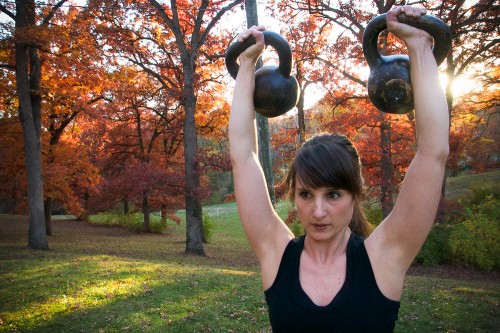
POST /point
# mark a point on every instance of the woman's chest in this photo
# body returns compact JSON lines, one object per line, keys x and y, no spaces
{"x":321,"y":283}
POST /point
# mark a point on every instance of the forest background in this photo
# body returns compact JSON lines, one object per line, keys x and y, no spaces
{"x":124,"y":104}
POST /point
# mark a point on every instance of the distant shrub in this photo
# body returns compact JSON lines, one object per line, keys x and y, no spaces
{"x":482,"y":192}
{"x":293,"y":222}
{"x":435,"y":250}
{"x":475,"y":242}
{"x":208,"y":227}
{"x":132,"y":221}
{"x":157,"y":225}
{"x":489,"y":205}
{"x":297,"y":229}
{"x":471,"y":233}
{"x":106,"y":219}
{"x":216,"y":198}
{"x":452,"y":209}
{"x":292,"y":217}
{"x":374,"y":215}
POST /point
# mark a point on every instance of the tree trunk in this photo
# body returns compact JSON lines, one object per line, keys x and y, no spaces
{"x":145,"y":210}
{"x":126,"y":208}
{"x":301,"y":130}
{"x":30,"y":120}
{"x":47,"y":207}
{"x":85,"y":214}
{"x":386,"y":167}
{"x":47,"y":203}
{"x":262,"y":122}
{"x":203,"y":235}
{"x":265,"y":154}
{"x":386,"y":186}
{"x":163,"y":212}
{"x":194,"y":224}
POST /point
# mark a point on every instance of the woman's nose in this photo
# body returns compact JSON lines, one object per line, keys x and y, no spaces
{"x":319,"y":209}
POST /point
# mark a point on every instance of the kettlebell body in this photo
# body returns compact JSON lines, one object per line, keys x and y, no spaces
{"x":389,"y":83}
{"x":276,"y":91}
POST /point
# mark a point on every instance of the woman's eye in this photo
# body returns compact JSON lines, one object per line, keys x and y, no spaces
{"x":304,"y":194}
{"x":333,"y":195}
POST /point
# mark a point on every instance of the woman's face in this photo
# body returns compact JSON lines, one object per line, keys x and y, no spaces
{"x":323,"y":211}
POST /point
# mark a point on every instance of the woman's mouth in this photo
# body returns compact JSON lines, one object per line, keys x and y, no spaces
{"x":319,"y":226}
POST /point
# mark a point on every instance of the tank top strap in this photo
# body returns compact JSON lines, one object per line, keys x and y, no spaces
{"x":359,"y":266}
{"x":290,"y":262}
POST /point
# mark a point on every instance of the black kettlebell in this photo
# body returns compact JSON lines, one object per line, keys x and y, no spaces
{"x":389,"y":84}
{"x":276,"y":91}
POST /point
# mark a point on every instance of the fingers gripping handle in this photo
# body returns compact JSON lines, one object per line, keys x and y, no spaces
{"x":270,"y":38}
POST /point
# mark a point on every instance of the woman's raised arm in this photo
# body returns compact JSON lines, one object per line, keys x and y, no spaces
{"x":266,"y":232}
{"x":396,"y":242}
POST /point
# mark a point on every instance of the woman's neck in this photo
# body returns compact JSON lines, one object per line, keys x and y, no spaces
{"x":327,"y":251}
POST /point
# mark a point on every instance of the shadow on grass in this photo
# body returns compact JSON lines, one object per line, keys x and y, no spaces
{"x":110,"y":295}
{"x":96,"y":278}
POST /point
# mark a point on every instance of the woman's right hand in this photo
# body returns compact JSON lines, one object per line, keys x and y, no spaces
{"x":252,"y":54}
{"x":406,"y":32}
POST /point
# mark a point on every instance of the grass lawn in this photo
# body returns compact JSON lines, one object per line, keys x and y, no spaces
{"x":102,"y":279}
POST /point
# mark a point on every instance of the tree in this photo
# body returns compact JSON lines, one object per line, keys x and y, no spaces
{"x":28,"y":75}
{"x":475,"y":30}
{"x":191,"y":27}
{"x":308,"y":37}
{"x":185,"y":41}
{"x":284,"y":146}
{"x":475,"y":40}
{"x":64,"y":91}
{"x":140,"y":163}
{"x":68,"y":174}
{"x":343,"y":59}
{"x":12,"y":171}
{"x":72,"y":83}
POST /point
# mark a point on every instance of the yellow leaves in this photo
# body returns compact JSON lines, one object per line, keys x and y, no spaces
{"x":157,"y":32}
{"x":212,"y":113}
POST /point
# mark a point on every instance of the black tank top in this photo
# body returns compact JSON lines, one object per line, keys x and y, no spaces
{"x":359,"y":306}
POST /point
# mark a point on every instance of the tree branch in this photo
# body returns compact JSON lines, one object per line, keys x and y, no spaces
{"x":52,"y":12}
{"x":475,"y":54}
{"x":7,"y":12}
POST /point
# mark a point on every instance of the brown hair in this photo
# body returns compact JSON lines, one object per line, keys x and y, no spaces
{"x":331,"y":160}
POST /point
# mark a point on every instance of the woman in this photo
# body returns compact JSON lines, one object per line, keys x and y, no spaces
{"x":333,"y":279}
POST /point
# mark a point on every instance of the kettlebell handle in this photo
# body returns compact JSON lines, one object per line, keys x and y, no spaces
{"x":270,"y":38}
{"x":431,"y":24}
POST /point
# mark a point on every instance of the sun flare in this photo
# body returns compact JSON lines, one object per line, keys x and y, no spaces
{"x":461,"y":85}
